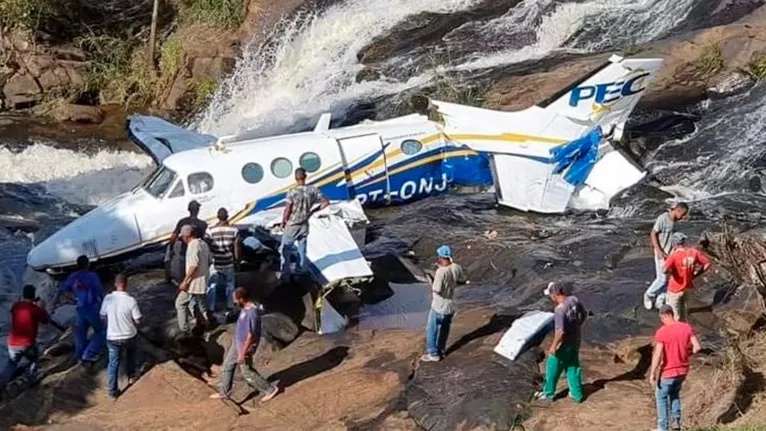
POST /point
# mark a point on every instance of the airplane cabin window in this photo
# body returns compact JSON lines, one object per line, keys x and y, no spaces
{"x":199,"y":183}
{"x":178,"y":190}
{"x":281,"y":167}
{"x":159,"y":182}
{"x":411,"y":147}
{"x":252,"y":173}
{"x":310,"y":162}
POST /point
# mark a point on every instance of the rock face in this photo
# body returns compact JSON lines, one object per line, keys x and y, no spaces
{"x":473,"y":387}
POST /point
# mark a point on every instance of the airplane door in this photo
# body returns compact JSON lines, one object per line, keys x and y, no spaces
{"x":366,"y":167}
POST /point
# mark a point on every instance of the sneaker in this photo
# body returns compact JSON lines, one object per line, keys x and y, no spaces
{"x":540,"y":396}
{"x":217,"y":396}
{"x":269,"y":395}
{"x":648,"y":302}
{"x":113,"y":397}
{"x":430,"y":358}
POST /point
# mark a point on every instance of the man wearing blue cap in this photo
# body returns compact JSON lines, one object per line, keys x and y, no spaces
{"x":448,"y":275}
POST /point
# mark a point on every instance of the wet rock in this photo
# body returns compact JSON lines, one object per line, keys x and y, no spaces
{"x":473,"y":387}
{"x":177,"y":92}
{"x":211,"y":67}
{"x":730,"y":83}
{"x":367,"y":74}
{"x":77,"y":113}
{"x":21,"y":90}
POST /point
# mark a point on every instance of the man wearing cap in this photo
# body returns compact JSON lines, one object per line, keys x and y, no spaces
{"x":26,"y":316}
{"x":301,"y":201}
{"x":682,"y":266}
{"x":448,"y":275}
{"x":674,"y":343}
{"x":176,"y":252}
{"x":192,"y":291}
{"x":224,"y":244}
{"x":660,"y":239}
{"x":564,"y":352}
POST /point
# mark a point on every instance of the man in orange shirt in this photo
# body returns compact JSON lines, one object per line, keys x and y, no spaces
{"x":682,"y":266}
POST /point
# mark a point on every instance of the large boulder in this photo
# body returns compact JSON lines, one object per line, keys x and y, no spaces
{"x":729,"y":83}
{"x":21,"y":90}
{"x":77,"y":113}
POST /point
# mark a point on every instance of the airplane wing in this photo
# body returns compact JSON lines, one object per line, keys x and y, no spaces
{"x":160,"y":139}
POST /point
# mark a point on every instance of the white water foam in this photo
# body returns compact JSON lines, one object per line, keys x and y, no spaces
{"x":74,"y":176}
{"x":312,"y":64}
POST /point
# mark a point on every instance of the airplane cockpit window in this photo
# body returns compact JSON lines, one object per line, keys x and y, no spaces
{"x":252,"y":173}
{"x":310,"y":162}
{"x":159,"y":182}
{"x":178,"y":190}
{"x":411,"y":147}
{"x":199,"y":183}
{"x":281,"y":167}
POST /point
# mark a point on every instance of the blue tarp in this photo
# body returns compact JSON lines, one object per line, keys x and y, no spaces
{"x":577,"y":157}
{"x":160,"y":138}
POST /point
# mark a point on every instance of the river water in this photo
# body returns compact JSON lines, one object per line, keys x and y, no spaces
{"x":309,"y":65}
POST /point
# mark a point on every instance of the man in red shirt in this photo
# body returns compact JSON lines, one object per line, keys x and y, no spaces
{"x":682,"y":266}
{"x":674,"y":343}
{"x":26,"y":315}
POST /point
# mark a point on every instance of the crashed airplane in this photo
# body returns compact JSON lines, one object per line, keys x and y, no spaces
{"x":546,"y":158}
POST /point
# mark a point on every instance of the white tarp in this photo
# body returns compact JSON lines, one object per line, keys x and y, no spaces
{"x":523,"y":329}
{"x":407,"y":309}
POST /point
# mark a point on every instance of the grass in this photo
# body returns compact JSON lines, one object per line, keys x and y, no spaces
{"x":220,"y":13}
{"x":757,"y":65}
{"x":203,"y":90}
{"x":711,"y":60}
{"x":23,"y":14}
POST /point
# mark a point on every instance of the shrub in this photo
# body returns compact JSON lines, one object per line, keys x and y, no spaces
{"x":220,"y":13}
{"x":758,"y":65}
{"x":24,"y":14}
{"x":203,"y":89}
{"x":711,"y":60}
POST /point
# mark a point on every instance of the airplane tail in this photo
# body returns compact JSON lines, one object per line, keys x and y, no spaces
{"x":606,"y":96}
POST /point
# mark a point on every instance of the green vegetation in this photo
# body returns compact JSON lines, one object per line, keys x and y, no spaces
{"x":219,"y":13}
{"x":632,"y":50}
{"x":711,"y":60}
{"x":20,"y":13}
{"x":203,"y":89}
{"x":757,"y":65}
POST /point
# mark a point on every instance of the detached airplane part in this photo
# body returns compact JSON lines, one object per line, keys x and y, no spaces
{"x":546,"y":158}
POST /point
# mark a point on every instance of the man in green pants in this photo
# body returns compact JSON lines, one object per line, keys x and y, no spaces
{"x":564,"y":353}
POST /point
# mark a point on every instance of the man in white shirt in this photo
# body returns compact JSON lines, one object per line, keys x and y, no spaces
{"x":122,"y":315}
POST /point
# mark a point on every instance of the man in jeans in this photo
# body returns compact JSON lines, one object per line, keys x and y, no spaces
{"x":448,"y":275}
{"x":670,"y":365}
{"x":660,"y":239}
{"x":224,"y":244}
{"x":247,"y":336}
{"x":682,"y":266}
{"x":26,"y":316}
{"x":86,"y":287}
{"x":192,"y":291}
{"x":301,"y":201}
{"x":122,"y":317}
{"x":564,"y":352}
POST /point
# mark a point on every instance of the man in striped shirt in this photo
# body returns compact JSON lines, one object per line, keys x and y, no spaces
{"x":224,"y":245}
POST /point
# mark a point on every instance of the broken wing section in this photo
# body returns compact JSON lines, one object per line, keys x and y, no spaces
{"x":159,"y":138}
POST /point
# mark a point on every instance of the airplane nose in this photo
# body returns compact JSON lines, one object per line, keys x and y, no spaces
{"x":60,"y":249}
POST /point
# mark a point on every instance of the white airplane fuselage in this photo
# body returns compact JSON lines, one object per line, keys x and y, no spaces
{"x":377,"y":163}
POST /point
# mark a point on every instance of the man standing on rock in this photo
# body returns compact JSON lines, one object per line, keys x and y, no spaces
{"x":660,"y":239}
{"x":300,"y":201}
{"x":122,"y":317}
{"x":224,"y":241}
{"x":448,"y":275}
{"x":86,"y":287}
{"x":26,"y":316}
{"x":564,"y":352}
{"x":247,"y":336}
{"x":178,"y":251}
{"x":670,"y":365}
{"x":192,"y":291}
{"x":682,"y":266}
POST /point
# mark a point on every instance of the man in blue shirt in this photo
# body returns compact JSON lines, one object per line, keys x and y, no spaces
{"x":85,"y":287}
{"x":247,"y":336}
